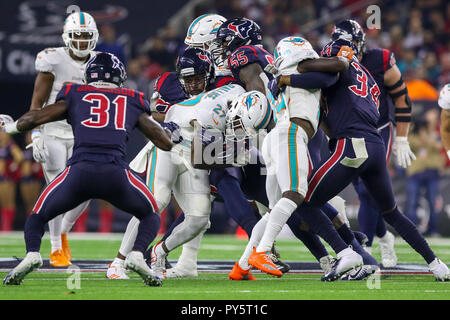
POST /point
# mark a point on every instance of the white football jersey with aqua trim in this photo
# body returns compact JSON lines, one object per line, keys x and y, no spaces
{"x":65,"y":69}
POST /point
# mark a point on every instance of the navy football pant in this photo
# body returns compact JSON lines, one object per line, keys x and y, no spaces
{"x":370,"y":221}
{"x":347,"y":163}
{"x":93,"y":180}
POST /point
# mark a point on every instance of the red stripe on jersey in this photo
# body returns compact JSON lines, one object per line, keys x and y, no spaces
{"x":254,"y":50}
{"x":68,"y":86}
{"x":138,"y":184}
{"x":55,"y":183}
{"x":385,"y":58}
{"x":224,"y":81}
{"x":323,"y":170}
{"x":161,"y":80}
{"x":141,"y":98}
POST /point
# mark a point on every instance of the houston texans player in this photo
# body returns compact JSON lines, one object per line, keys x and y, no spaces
{"x":239,"y":45}
{"x":358,"y":150}
{"x":395,"y":108}
{"x":102,"y":114}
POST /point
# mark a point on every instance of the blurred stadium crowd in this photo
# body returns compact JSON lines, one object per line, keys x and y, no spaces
{"x":417,"y":31}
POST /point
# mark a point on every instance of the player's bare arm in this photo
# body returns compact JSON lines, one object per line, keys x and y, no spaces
{"x":333,"y":65}
{"x":445,"y":128}
{"x":399,"y":94}
{"x":42,"y":88}
{"x":152,"y":130}
{"x":158,"y":116}
{"x":250,"y":76}
{"x":34,"y":118}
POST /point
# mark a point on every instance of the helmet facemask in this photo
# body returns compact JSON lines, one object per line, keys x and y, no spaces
{"x":193,"y":84}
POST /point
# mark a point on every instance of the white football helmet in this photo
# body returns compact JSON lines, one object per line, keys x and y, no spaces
{"x":249,"y":112}
{"x":74,"y":26}
{"x":203,"y":30}
{"x":444,"y":97}
{"x":292,"y":50}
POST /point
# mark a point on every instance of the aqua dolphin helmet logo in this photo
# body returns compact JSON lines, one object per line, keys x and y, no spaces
{"x":299,"y":41}
{"x":250,"y":100}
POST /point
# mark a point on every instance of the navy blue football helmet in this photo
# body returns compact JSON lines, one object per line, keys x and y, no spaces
{"x":232,"y":34}
{"x":350,"y":30}
{"x":195,"y":70}
{"x":332,"y":48}
{"x":107,"y":68}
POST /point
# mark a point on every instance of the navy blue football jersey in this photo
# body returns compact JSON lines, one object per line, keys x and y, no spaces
{"x":377,"y":62}
{"x":101,"y":119}
{"x":352,"y":102}
{"x":171,"y":92}
{"x":246,"y":55}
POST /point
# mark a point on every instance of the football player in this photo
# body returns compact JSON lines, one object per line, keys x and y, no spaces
{"x":53,"y":142}
{"x":395,"y":108}
{"x":102,"y":115}
{"x":358,"y":151}
{"x":444,"y":103}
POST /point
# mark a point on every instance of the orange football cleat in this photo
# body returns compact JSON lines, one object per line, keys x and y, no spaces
{"x":237,"y":273}
{"x":65,"y":246}
{"x":262,"y":261}
{"x":58,"y":259}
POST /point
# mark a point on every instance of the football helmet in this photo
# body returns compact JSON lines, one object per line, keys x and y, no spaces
{"x":350,"y":30}
{"x":292,"y":50}
{"x":233,"y":34}
{"x":195,"y":70}
{"x":105,"y":69}
{"x":80,"y":29}
{"x":249,"y":112}
{"x":202,"y":31}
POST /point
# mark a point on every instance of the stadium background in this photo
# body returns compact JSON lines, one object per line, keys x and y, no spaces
{"x":148,"y":35}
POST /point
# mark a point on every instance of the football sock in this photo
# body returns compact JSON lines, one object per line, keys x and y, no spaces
{"x":322,"y":226}
{"x":381,"y":227}
{"x":277,"y":219}
{"x":310,"y":240}
{"x":188,"y":256}
{"x":33,"y":232}
{"x":367,"y":219}
{"x":237,"y":205}
{"x":71,"y":217}
{"x":54,"y":227}
{"x":129,"y":236}
{"x":178,"y":220}
{"x":408,"y":231}
{"x":253,"y":241}
{"x":147,"y":231}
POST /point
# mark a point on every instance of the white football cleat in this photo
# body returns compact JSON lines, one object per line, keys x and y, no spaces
{"x":440,"y":270}
{"x":326,"y":263}
{"x":388,"y":257}
{"x":181,"y":272}
{"x":31,"y":262}
{"x":347,"y":260}
{"x":158,"y":262}
{"x":360,"y":273}
{"x":116,"y":270}
{"x":135,"y":262}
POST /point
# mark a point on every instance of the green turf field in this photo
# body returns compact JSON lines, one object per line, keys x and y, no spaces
{"x":216,"y":286}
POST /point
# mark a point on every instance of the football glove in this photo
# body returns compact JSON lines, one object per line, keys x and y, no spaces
{"x":5,"y":120}
{"x":174,"y":130}
{"x":40,"y":151}
{"x":273,"y":87}
{"x":402,"y":152}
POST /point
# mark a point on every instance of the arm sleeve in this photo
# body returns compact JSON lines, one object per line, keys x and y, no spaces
{"x":313,"y":80}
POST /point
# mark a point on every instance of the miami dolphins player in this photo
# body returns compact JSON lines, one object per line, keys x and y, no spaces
{"x":53,"y":142}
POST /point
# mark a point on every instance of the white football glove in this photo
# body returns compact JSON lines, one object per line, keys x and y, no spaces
{"x":403,"y":152}
{"x":7,"y":124}
{"x":40,"y":151}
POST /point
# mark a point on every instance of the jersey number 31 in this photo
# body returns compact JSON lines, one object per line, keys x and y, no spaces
{"x":100,"y":111}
